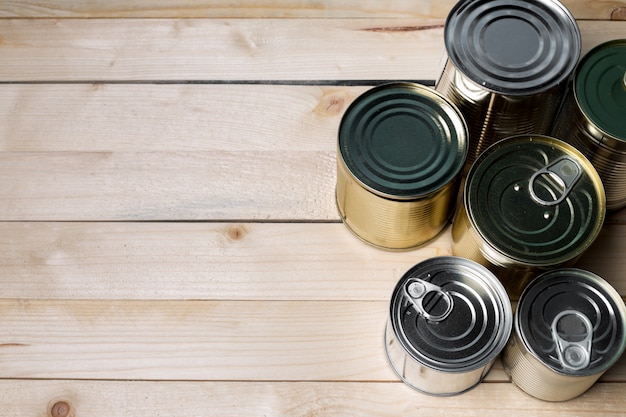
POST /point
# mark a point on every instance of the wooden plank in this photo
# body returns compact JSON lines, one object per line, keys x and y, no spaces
{"x":187,"y":118}
{"x":239,"y":49}
{"x":212,"y":261}
{"x":207,"y":49}
{"x":253,"y":399}
{"x":582,"y":9}
{"x":193,"y":340}
{"x":200,"y":340}
{"x":222,"y":261}
{"x":255,"y":185}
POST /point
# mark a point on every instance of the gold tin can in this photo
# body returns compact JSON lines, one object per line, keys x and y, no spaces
{"x":401,"y":148}
{"x":593,"y":116}
{"x":449,"y":319}
{"x":569,"y":328}
{"x":508,"y":62}
{"x":531,"y":203}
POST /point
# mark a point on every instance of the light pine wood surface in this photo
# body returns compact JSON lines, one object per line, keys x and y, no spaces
{"x":169,"y":240}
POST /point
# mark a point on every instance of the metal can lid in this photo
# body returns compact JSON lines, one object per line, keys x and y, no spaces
{"x":403,"y":140}
{"x":600,"y":87}
{"x":514,"y":47}
{"x":535,"y":200}
{"x":573,"y":321}
{"x":451,"y":314}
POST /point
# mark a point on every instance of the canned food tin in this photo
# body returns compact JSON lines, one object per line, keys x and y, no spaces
{"x":532,"y":203}
{"x":401,"y":148}
{"x":508,"y":65}
{"x":449,"y":320}
{"x":569,"y":328}
{"x":592,"y":117}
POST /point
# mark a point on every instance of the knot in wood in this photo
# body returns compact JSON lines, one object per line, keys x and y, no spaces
{"x":60,"y":409}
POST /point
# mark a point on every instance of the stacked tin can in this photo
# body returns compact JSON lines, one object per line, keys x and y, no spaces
{"x":531,"y":203}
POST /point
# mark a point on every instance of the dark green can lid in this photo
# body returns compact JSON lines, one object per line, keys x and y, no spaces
{"x":600,"y":87}
{"x":535,"y":200}
{"x":403,"y":140}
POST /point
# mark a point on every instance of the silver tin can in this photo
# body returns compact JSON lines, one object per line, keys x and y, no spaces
{"x":531,"y":203}
{"x":569,"y":328}
{"x":508,"y":65}
{"x":449,"y":320}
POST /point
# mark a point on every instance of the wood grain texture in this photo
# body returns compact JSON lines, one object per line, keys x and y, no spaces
{"x":233,"y":49}
{"x":206,"y":261}
{"x":582,"y":9}
{"x":208,"y":49}
{"x":320,"y":399}
{"x":174,"y":118}
{"x":201,"y":340}
{"x":222,"y":261}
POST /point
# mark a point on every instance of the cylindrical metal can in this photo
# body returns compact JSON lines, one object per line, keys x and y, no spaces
{"x":569,"y":328}
{"x":532,"y":203}
{"x":508,"y":65}
{"x":593,"y":117}
{"x":401,"y":149}
{"x":449,"y":320}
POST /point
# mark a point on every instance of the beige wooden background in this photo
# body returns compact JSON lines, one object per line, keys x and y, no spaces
{"x":169,"y":242}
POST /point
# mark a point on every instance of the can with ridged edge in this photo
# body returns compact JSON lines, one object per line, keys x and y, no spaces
{"x":401,"y":148}
{"x":449,"y":319}
{"x":508,"y":65}
{"x":531,"y":203}
{"x":593,"y":117}
{"x":569,"y":328}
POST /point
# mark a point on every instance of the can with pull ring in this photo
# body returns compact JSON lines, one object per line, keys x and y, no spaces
{"x":569,"y":328}
{"x":449,"y":319}
{"x":531,"y":203}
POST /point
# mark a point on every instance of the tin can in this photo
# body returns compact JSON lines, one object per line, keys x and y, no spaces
{"x":508,"y":62}
{"x":532,"y":203}
{"x":449,"y":320}
{"x":592,"y":117}
{"x":569,"y":328}
{"x":401,"y":149}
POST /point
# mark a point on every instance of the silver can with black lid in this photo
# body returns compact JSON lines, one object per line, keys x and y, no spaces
{"x":569,"y":328}
{"x":449,"y":320}
{"x":507,"y":67}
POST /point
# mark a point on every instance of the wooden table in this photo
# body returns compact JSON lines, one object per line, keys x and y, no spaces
{"x":169,"y":241}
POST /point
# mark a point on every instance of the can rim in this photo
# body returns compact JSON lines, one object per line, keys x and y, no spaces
{"x":452,"y":111}
{"x":524,"y":138}
{"x":611,"y":293}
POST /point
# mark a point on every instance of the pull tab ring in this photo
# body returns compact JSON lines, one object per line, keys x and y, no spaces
{"x":573,"y":355}
{"x":565,"y":171}
{"x":416,"y":290}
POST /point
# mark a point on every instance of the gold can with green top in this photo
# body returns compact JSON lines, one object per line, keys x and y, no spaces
{"x":401,"y":148}
{"x":532,"y":203}
{"x":593,"y":117}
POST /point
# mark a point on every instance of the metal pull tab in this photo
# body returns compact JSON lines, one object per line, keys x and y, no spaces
{"x":565,"y":171}
{"x":572,"y":332}
{"x":416,"y":291}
